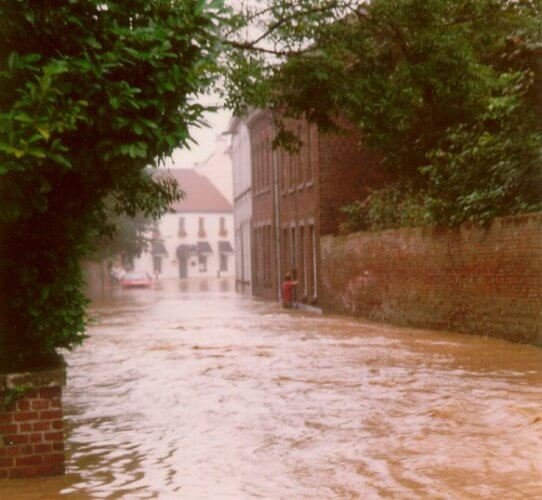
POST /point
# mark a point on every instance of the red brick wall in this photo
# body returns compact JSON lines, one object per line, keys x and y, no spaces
{"x":32,"y":435}
{"x":347,"y":173}
{"x":478,"y":280}
{"x":261,"y":135}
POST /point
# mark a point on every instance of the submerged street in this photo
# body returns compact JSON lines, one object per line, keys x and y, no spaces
{"x":196,"y":392}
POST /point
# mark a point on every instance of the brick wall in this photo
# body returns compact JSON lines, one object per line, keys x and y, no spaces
{"x":471,"y":279}
{"x":31,"y":433}
{"x":347,"y":171}
{"x":264,"y":282}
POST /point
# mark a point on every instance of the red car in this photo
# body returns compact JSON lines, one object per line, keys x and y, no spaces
{"x":136,"y":280}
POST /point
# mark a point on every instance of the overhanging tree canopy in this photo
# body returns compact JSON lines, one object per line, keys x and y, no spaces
{"x":442,"y":89}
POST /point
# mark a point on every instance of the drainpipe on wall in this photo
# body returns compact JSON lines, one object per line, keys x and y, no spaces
{"x":276,"y":199}
{"x":296,"y":215}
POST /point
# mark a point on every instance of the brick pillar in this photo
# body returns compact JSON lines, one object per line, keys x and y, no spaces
{"x":31,"y":425}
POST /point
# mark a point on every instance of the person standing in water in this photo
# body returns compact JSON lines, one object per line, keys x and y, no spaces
{"x":288,"y":286}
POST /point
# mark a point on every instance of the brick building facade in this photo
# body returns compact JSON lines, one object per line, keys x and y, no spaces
{"x":264,"y":248}
{"x":297,"y":197}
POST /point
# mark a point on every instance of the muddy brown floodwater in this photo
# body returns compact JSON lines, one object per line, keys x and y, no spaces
{"x":201,"y":393}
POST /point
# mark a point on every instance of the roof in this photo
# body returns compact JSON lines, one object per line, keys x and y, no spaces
{"x":200,"y":193}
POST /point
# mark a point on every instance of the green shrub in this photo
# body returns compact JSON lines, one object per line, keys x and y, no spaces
{"x":92,"y":92}
{"x":391,"y":207}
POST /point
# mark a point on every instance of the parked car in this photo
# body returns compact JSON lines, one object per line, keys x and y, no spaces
{"x":136,"y":280}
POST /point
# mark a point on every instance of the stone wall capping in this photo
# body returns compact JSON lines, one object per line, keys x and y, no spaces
{"x":34,"y":379}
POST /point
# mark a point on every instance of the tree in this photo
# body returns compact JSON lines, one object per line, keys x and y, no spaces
{"x":127,"y":238}
{"x":441,"y":89}
{"x":92,"y":92}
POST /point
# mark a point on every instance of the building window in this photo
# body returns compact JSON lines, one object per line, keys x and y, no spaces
{"x":266,"y":164}
{"x":269,"y":151}
{"x":201,"y":228}
{"x":289,"y":170}
{"x":285,"y":248}
{"x":259,"y":163}
{"x":257,"y":155}
{"x":269,"y":250}
{"x":222,"y":231}
{"x":182,"y":230}
{"x":303,"y":262}
{"x":299,"y":158}
{"x":265,"y":256}
{"x":282,"y":162}
{"x":202,"y":261}
{"x":255,"y":256}
{"x":255,"y":175}
{"x":259,"y":257}
{"x":314,"y":263}
{"x":223,"y":262}
{"x":308,"y":149}
{"x":293,"y":249}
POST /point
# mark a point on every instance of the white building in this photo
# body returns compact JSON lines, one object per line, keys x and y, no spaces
{"x":196,"y":240}
{"x":242,"y":203}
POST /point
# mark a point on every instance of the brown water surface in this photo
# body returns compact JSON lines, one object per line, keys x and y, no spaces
{"x":187,"y":392}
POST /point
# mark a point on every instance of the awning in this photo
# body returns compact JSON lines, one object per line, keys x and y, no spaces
{"x":185,"y":250}
{"x":158,"y":248}
{"x":203,"y":247}
{"x":225,"y":247}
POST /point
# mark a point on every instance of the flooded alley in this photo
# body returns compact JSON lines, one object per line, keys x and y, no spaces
{"x":196,"y":392}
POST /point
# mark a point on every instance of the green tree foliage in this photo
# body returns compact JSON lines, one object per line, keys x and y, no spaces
{"x":92,"y":92}
{"x":442,"y":89}
{"x":127,"y":238}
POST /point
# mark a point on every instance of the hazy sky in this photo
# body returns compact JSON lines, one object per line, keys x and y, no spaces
{"x":218,"y":122}
{"x":205,"y":137}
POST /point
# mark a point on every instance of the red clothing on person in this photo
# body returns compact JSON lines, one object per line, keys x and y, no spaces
{"x":288,"y":291}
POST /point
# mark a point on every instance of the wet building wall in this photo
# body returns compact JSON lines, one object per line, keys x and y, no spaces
{"x":263,"y":241}
{"x":471,"y":279}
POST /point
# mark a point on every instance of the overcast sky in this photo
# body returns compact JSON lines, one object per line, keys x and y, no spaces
{"x":218,"y":122}
{"x":183,"y":158}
